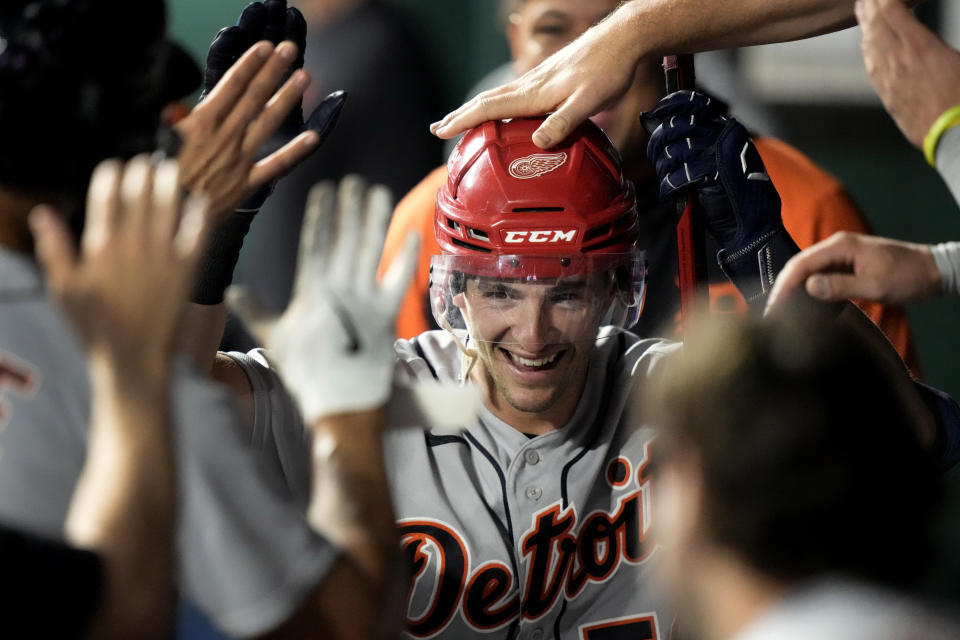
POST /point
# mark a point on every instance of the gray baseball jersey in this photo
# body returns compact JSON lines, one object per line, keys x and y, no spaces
{"x":247,"y":557}
{"x":507,"y":535}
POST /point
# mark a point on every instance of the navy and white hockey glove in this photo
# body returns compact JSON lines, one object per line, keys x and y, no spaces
{"x":693,"y":146}
{"x":270,"y":20}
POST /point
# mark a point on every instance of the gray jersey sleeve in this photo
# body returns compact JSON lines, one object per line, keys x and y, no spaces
{"x":248,"y":556}
{"x":947,"y":257}
{"x":948,"y":160}
{"x":278,"y":430}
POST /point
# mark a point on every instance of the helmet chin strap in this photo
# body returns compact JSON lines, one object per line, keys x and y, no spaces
{"x":470,"y":355}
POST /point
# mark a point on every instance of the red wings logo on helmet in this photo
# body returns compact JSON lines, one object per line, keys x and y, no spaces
{"x":536,"y":164}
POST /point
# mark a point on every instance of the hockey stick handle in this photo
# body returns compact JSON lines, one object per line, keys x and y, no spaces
{"x":691,"y":258}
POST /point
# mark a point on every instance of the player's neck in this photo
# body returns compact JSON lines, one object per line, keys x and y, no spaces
{"x":729,"y":595}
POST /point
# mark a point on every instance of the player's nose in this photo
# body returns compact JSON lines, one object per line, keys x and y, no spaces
{"x":532,"y":327}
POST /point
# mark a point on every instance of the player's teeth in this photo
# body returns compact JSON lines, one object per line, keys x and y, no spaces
{"x":527,"y":362}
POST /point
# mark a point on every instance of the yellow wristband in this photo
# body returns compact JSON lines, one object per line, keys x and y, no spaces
{"x":947,"y":119}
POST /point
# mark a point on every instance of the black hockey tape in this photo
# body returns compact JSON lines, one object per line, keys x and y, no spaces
{"x":215,"y":271}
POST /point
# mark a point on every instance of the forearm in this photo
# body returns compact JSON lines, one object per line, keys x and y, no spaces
{"x":350,"y":506}
{"x":201,"y":330}
{"x":350,"y":503}
{"x":686,"y":26}
{"x":125,"y":502}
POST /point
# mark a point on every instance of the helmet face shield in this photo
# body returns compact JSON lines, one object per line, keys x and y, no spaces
{"x":536,"y":300}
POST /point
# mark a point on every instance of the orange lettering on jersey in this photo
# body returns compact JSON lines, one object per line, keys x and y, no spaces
{"x":562,"y":558}
{"x":420,"y":540}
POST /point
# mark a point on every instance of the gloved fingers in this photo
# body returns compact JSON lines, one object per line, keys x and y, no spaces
{"x":735,"y":143}
{"x":347,"y":232}
{"x":222,"y":98}
{"x":325,"y":116}
{"x":377,"y":209}
{"x":295,"y":30}
{"x":397,"y":279}
{"x":227,"y":47}
{"x":316,"y":236}
{"x":683,"y":143}
{"x":255,"y":94}
{"x":258,"y":320}
{"x":103,"y":205}
{"x":684,"y":102}
{"x":276,"y":21}
{"x":253,"y":21}
{"x":275,"y":112}
{"x":283,"y":160}
{"x":688,"y":174}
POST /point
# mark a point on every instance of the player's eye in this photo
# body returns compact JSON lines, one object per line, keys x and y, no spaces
{"x":566,"y":295}
{"x":497,"y":292}
{"x":553,"y":30}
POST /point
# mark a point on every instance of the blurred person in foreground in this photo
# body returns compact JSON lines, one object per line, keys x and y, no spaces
{"x":124,"y":298}
{"x":917,"y":76}
{"x":77,"y":90}
{"x":792,"y":484}
{"x":814,"y":203}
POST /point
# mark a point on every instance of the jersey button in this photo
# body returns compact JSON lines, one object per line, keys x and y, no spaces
{"x":534,"y":493}
{"x":532,"y":457}
{"x":537,"y":634}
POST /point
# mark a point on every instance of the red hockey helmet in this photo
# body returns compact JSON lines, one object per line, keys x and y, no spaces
{"x":512,"y":211}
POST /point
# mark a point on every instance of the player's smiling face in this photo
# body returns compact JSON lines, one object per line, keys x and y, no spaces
{"x":534,"y":342}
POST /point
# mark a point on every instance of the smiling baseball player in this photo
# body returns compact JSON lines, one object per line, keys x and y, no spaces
{"x":534,"y":522}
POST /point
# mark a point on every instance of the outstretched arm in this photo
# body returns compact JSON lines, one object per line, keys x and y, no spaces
{"x":124,"y":295}
{"x":245,"y":134}
{"x":594,"y":71}
{"x":854,"y":265}
{"x":333,"y":347}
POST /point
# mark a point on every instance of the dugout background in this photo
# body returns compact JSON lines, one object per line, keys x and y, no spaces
{"x":901,"y":196}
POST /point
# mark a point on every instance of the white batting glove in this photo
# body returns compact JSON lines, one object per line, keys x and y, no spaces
{"x":333,"y":346}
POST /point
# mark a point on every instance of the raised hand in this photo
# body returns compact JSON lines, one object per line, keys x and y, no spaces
{"x":334,"y":343}
{"x":854,"y":265}
{"x":693,"y":147}
{"x":915,"y":74}
{"x":124,"y":292}
{"x":126,"y":288}
{"x":585,"y":77}
{"x":247,"y":132}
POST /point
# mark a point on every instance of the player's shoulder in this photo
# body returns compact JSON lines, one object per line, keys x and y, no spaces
{"x":634,"y":355}
{"x":432,"y":355}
